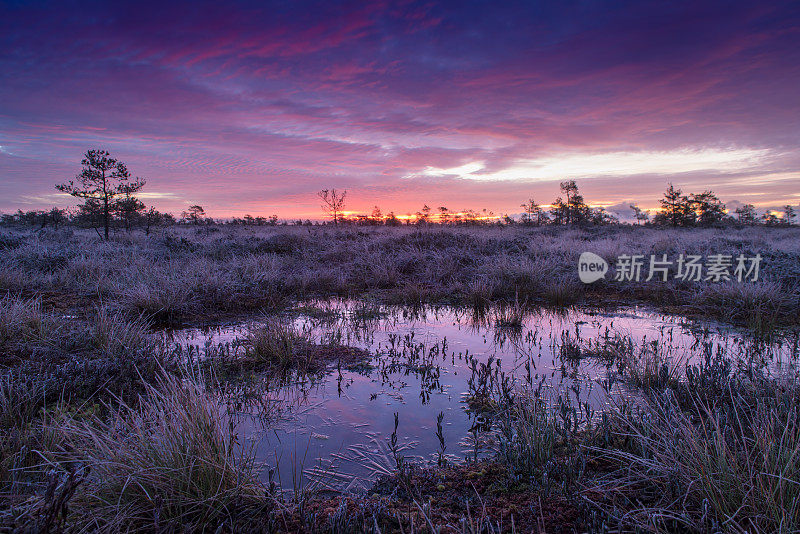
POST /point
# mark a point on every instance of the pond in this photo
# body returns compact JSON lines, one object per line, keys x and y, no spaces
{"x":331,"y":431}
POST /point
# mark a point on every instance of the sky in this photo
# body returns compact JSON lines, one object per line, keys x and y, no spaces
{"x":253,"y":107}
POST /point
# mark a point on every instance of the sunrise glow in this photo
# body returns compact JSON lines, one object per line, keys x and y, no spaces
{"x":254,"y":109}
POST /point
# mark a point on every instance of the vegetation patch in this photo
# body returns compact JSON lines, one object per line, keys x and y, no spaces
{"x":280,"y":346}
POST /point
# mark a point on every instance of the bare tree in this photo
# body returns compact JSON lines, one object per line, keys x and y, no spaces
{"x":534,"y":214}
{"x":332,"y":202}
{"x":639,"y":214}
{"x":424,"y":216}
{"x":444,"y":215}
{"x":102,"y":179}
{"x":788,"y":215}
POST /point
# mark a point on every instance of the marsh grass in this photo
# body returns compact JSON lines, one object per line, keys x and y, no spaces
{"x":758,"y":306}
{"x":277,"y":343}
{"x":276,"y":346}
{"x":20,"y":399}
{"x":646,"y":366}
{"x":24,"y":438}
{"x":78,"y":357}
{"x":183,"y":274}
{"x":164,"y":302}
{"x":21,"y":321}
{"x":712,"y":446}
{"x":729,"y":464}
{"x":511,"y":316}
{"x":113,"y":335}
{"x":609,"y":348}
{"x":324,"y":314}
{"x":26,"y":327}
{"x":706,"y":447}
{"x":93,"y":408}
{"x":531,"y":436}
{"x":570,"y":349}
{"x":650,"y":367}
{"x":480,"y":294}
{"x":169,"y":461}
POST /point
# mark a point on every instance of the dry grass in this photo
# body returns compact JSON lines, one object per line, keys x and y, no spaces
{"x":186,"y":272}
{"x":710,"y":448}
{"x":276,"y":346}
{"x":759,"y":306}
{"x":275,"y":343}
{"x":169,"y":461}
{"x":20,"y":321}
{"x":74,"y":358}
{"x":20,"y":400}
{"x":730,"y":465}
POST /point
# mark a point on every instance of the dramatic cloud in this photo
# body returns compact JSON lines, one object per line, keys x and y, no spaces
{"x":613,"y":164}
{"x":252,"y":107}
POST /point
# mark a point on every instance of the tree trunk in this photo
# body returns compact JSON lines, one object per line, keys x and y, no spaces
{"x":105,"y":216}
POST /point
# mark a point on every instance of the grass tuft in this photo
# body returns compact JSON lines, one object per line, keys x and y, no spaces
{"x":171,"y":462}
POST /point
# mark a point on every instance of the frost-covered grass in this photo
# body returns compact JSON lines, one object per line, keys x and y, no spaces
{"x":95,"y":413}
{"x":189,"y":272}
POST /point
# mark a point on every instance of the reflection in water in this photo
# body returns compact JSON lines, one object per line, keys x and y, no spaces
{"x":430,"y":363}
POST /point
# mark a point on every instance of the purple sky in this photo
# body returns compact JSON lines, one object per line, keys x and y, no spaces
{"x":252,"y":108}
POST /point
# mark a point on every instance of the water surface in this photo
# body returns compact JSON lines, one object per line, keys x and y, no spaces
{"x":332,"y":430}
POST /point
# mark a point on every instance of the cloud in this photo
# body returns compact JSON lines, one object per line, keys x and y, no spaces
{"x":577,"y":165}
{"x":255,"y":106}
{"x":154,"y":195}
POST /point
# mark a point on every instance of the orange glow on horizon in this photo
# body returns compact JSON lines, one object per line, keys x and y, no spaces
{"x":433,"y":217}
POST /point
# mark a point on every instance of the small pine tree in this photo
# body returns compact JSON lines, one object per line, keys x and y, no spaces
{"x":746,"y":214}
{"x":100,"y":182}
{"x":676,"y":208}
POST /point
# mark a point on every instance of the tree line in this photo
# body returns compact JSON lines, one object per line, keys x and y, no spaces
{"x":677,"y":209}
{"x":108,"y":192}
